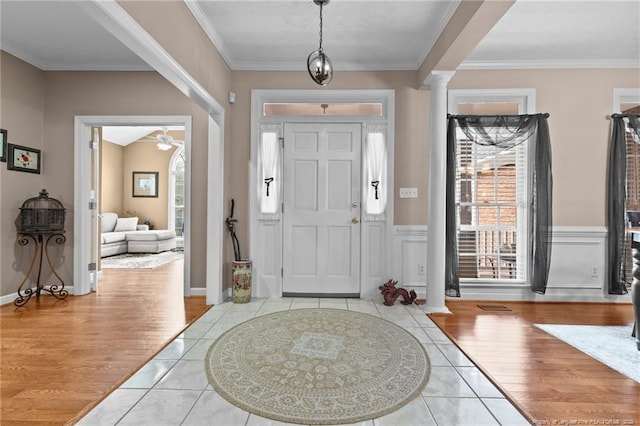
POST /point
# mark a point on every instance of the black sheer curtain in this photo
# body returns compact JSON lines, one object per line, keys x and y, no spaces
{"x":506,"y":132}
{"x":617,"y":198}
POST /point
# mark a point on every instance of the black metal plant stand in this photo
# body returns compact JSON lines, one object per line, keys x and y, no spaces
{"x":41,"y":242}
{"x":41,"y":221}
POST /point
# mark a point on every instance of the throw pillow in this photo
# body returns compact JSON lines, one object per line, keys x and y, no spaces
{"x":126,"y":224}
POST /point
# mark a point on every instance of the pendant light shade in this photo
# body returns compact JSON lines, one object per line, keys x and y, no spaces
{"x":320,"y":67}
{"x":318,"y":64}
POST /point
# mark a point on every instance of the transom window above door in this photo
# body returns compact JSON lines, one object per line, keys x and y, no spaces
{"x":295,"y":109}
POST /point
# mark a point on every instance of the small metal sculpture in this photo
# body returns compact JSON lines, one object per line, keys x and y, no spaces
{"x":390,"y":293}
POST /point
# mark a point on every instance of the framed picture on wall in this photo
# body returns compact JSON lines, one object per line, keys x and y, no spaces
{"x":145,"y":184}
{"x":3,"y":145}
{"x":23,"y":159}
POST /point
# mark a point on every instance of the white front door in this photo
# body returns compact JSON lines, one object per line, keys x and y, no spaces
{"x":321,"y":219}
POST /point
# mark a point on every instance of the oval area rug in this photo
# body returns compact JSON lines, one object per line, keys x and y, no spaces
{"x":318,"y":366}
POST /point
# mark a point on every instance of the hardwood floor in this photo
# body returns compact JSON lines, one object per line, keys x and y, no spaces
{"x":60,"y":358}
{"x":546,"y":378}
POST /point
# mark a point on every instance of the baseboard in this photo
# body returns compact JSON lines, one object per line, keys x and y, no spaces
{"x":10,"y":298}
{"x":198,"y":291}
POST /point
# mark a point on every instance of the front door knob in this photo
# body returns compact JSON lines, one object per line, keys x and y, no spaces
{"x":355,"y":220}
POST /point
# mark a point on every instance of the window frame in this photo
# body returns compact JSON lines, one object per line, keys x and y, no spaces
{"x":525,"y":99}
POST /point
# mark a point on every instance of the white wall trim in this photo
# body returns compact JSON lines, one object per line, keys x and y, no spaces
{"x":549,"y":64}
{"x":576,"y":250}
{"x":215,"y":211}
{"x":624,"y":96}
{"x":526,"y":97}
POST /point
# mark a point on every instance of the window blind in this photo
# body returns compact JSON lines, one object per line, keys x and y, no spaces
{"x":491,"y":189}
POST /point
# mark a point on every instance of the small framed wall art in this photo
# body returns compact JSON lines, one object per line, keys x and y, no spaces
{"x":23,"y":159}
{"x":145,"y":184}
{"x":3,"y":145}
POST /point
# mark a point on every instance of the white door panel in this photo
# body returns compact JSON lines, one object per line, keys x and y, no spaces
{"x":321,"y":208}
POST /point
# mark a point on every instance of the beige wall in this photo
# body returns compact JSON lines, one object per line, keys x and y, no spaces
{"x":22,"y":110}
{"x":126,"y":93}
{"x":579,"y":102}
{"x":36,"y":103}
{"x":111,"y":177}
{"x":118,"y":163}
{"x":145,"y":157}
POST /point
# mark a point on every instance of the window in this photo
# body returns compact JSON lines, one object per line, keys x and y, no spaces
{"x":375,"y":173}
{"x":269,"y":171}
{"x":491,"y":193}
{"x":177,"y":183}
{"x":373,"y":109}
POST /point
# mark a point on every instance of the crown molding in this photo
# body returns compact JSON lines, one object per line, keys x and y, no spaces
{"x":550,"y":64}
{"x":201,"y":17}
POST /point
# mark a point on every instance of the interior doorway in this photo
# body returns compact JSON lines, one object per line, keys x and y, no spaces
{"x":126,"y":153}
{"x":87,"y":200}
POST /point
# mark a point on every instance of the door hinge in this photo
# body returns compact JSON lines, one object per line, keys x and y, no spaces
{"x":282,"y":142}
{"x":281,"y":272}
{"x":93,"y":145}
{"x":92,"y":205}
{"x":282,"y":207}
{"x":93,"y":267}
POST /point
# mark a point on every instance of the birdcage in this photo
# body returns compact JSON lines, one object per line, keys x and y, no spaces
{"x":41,"y":214}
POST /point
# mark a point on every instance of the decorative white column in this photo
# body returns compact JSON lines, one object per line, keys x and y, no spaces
{"x":436,"y":209}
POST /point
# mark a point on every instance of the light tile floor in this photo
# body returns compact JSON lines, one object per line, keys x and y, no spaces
{"x":173,"y":389}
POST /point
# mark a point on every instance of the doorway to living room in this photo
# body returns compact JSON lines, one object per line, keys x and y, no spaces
{"x":141,"y":180}
{"x":139,"y":183}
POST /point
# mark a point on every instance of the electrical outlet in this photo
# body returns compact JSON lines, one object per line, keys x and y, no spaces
{"x":594,"y":271}
{"x":420,"y":268}
{"x":408,"y":192}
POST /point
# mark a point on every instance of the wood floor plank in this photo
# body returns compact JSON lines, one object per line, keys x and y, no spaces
{"x":61,"y":357}
{"x":546,"y":378}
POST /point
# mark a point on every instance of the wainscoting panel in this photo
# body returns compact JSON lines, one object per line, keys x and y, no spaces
{"x":578,"y":268}
{"x":374,"y":260}
{"x":577,"y":258}
{"x":410,"y":250}
{"x":267,"y":279}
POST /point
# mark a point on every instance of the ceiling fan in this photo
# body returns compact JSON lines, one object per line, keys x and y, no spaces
{"x":164,"y":141}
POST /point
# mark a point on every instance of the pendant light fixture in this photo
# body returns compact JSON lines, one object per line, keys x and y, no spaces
{"x":318,"y":64}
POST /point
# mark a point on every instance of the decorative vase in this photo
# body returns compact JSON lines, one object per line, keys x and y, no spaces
{"x":241,"y":281}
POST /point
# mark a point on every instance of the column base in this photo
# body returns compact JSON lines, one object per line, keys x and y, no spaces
{"x":436,"y":309}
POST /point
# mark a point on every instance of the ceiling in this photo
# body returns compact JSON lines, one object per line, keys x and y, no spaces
{"x":125,"y":135}
{"x":358,"y":34}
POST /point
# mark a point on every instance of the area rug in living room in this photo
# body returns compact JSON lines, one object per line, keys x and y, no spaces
{"x":140,"y":260}
{"x":318,"y":366}
{"x":611,"y":345}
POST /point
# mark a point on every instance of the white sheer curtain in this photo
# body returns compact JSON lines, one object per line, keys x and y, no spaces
{"x":375,"y":172}
{"x":269,"y":174}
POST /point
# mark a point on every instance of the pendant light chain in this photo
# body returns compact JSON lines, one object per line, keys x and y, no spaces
{"x":320,"y":48}
{"x":318,"y":64}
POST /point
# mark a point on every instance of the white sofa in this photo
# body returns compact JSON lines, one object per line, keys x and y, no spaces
{"x":124,"y":235}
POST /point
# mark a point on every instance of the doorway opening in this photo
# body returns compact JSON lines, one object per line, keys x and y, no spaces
{"x":131,"y":156}
{"x":88,"y":190}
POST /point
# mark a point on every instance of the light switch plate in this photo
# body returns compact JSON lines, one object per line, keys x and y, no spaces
{"x":408,"y":192}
